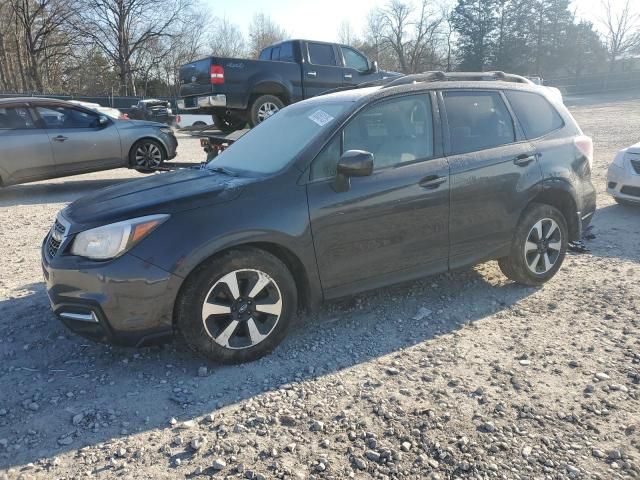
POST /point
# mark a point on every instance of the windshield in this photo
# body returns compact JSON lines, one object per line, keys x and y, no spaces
{"x":274,"y":143}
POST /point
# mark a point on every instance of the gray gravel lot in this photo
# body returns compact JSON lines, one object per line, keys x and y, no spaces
{"x":460,"y":375}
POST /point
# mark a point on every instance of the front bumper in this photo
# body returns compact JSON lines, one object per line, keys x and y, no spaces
{"x":623,"y":183}
{"x":125,"y":301}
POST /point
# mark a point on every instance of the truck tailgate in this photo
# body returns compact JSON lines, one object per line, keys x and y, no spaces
{"x":195,"y":78}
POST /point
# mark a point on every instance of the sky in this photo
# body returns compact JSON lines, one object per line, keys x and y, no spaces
{"x":321,"y":19}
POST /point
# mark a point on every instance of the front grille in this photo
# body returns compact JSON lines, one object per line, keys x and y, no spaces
{"x":635,"y":164}
{"x":633,"y":191}
{"x":56,"y":236}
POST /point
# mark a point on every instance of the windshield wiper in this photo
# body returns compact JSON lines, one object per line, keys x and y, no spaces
{"x":223,"y":170}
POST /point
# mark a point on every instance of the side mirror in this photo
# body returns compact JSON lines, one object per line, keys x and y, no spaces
{"x":373,"y":67}
{"x":353,"y":163}
{"x":103,"y":121}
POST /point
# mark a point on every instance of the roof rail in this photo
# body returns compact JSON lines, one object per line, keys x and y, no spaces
{"x":438,"y":76}
{"x":372,"y":83}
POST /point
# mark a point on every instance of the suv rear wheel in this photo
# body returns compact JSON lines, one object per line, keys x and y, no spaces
{"x":237,"y":307}
{"x":538,"y":247}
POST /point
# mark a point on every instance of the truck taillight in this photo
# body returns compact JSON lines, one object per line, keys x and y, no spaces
{"x":217,"y":75}
{"x":584,"y":145}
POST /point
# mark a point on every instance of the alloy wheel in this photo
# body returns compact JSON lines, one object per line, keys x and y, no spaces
{"x":266,"y":110}
{"x":148,"y":155}
{"x":543,"y":246}
{"x":242,"y":309}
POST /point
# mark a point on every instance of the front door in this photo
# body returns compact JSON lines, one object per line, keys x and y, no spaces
{"x":79,"y":142}
{"x":356,"y":68}
{"x":494,"y":174}
{"x":25,"y":151}
{"x":321,"y":70}
{"x":392,"y":225}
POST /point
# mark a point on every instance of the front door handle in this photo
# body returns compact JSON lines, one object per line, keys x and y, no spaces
{"x":60,"y":138}
{"x":524,"y":160}
{"x":432,"y":181}
{"x":312,"y":74}
{"x":348,"y":76}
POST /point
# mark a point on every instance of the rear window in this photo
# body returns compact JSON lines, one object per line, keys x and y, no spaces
{"x":477,"y":121}
{"x":535,"y":113}
{"x":321,"y":54}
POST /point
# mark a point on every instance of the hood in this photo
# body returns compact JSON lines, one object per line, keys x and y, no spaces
{"x":634,"y":149}
{"x":161,"y":193}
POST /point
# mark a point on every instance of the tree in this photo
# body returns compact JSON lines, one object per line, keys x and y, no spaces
{"x":621,"y":30}
{"x":124,"y":29}
{"x":346,"y":35}
{"x":475,"y":22}
{"x":263,"y":32}
{"x":227,"y":40}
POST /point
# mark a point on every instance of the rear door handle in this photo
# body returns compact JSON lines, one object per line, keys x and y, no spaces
{"x":524,"y":160}
{"x":60,"y":138}
{"x":432,"y":181}
{"x":312,"y":74}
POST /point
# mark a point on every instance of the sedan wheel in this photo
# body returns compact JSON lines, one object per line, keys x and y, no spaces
{"x":148,"y":155}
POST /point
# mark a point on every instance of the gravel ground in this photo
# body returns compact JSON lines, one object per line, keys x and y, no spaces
{"x":459,"y":375}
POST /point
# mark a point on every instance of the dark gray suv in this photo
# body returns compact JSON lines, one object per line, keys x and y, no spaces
{"x":332,"y":196}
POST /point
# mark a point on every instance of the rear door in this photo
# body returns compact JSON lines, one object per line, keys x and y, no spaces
{"x":25,"y":151}
{"x":356,"y":67}
{"x":321,"y":70}
{"x":79,"y":142}
{"x":494,"y":173}
{"x":392,"y":225}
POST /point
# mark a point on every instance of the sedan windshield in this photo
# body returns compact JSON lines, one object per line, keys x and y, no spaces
{"x":274,"y":143}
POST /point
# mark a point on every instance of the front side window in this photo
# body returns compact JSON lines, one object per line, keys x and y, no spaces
{"x":321,"y":54}
{"x":65,"y":117}
{"x":536,"y":115}
{"x":477,"y":121}
{"x":355,"y":60}
{"x":15,"y":118}
{"x":395,"y":131}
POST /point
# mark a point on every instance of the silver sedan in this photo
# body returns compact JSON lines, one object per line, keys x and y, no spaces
{"x":623,"y":179}
{"x":44,"y":138}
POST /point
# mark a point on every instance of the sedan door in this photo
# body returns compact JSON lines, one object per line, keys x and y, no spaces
{"x":82,"y":140}
{"x":494,"y":174}
{"x":322,"y":71}
{"x":25,"y":150}
{"x":392,"y":225}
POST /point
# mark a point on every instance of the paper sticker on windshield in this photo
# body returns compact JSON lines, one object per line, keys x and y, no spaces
{"x":320,"y":117}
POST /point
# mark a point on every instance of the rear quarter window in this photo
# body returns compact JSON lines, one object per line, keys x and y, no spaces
{"x":536,"y":115}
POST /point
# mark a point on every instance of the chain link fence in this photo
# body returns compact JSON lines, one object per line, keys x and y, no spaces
{"x":596,"y":83}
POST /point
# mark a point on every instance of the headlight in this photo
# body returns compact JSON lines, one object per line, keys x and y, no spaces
{"x":110,"y":241}
{"x":166,"y":130}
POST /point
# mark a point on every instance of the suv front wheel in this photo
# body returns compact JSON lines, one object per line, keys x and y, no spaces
{"x":238,"y":307}
{"x":538,"y":247}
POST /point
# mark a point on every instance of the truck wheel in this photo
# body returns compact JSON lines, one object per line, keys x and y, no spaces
{"x":237,"y":307}
{"x":228,"y":124}
{"x":264,"y":107}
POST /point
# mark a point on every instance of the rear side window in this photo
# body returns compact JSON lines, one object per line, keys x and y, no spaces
{"x":15,"y":118}
{"x":286,"y":52}
{"x":535,"y":113}
{"x":477,"y":121}
{"x":275,"y":53}
{"x":321,"y":54}
{"x":265,"y":54}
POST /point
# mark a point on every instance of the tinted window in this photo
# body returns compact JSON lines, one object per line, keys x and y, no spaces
{"x":321,"y":54}
{"x":16,"y":118}
{"x":286,"y":52}
{"x":396,"y":131}
{"x":535,"y":113}
{"x":265,"y":54}
{"x":353,"y":59}
{"x":64,"y":117}
{"x":477,"y":120}
{"x":275,"y":53}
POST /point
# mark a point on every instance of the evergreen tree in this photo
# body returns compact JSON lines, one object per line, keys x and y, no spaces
{"x":476,"y":23}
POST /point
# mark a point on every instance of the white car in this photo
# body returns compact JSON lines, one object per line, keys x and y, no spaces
{"x":188,"y":120}
{"x":108,"y":111}
{"x":623,"y":178}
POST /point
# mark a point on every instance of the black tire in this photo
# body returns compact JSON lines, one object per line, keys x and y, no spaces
{"x":258,"y":109}
{"x":148,"y":166}
{"x":228,"y":124}
{"x":202,"y":285}
{"x":516,"y":266}
{"x":199,"y":124}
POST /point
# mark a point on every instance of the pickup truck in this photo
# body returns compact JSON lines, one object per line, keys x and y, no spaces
{"x":238,"y":91}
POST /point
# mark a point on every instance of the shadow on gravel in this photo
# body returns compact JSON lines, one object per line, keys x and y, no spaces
{"x":53,"y":192}
{"x":61,"y":392}
{"x":617,"y":229}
